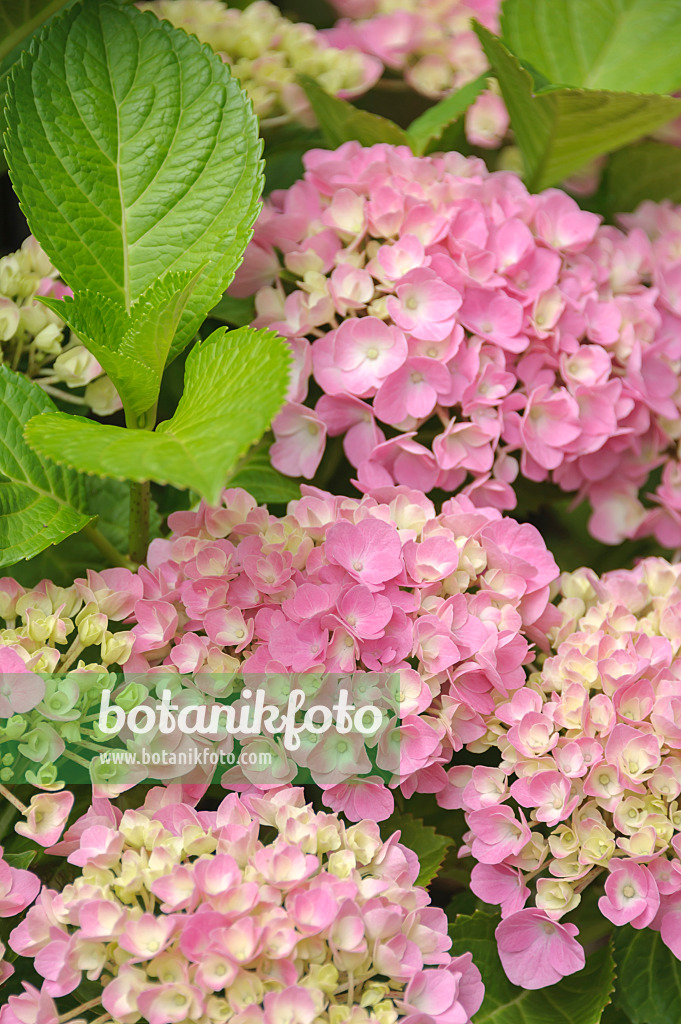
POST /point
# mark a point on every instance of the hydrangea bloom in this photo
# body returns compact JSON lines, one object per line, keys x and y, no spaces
{"x":463,"y":330}
{"x":431,"y":42}
{"x":35,"y":341}
{"x":267,"y":52}
{"x":589,"y":782}
{"x":182,"y":914}
{"x":439,"y":607}
{"x":57,"y":649}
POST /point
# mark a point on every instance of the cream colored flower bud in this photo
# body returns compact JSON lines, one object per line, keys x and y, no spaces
{"x":102,"y":397}
{"x":49,"y":340}
{"x":342,"y":863}
{"x":116,"y":648}
{"x":76,"y":367}
{"x":10,"y":317}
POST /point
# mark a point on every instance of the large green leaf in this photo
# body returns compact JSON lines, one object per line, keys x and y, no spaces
{"x":648,"y":170}
{"x":578,"y":999}
{"x":426,"y":130}
{"x":39,"y":502}
{"x":560,"y":129}
{"x":622,"y":45}
{"x":133,"y":152}
{"x":235,"y":383}
{"x":341,"y":122}
{"x":648,"y":977}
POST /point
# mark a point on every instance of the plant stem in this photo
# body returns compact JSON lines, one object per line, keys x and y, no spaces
{"x":106,"y":548}
{"x":140,"y":494}
{"x":79,"y":1009}
{"x":140,"y":498}
{"x":22,"y":808}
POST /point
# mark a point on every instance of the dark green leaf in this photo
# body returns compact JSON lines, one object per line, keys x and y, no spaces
{"x":341,"y":122}
{"x":258,"y":476}
{"x":648,"y":170}
{"x":235,"y":312}
{"x":429,"y":847}
{"x":648,"y":977}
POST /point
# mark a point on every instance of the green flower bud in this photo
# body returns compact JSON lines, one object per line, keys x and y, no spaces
{"x":45,"y":776}
{"x":132,"y":695}
{"x":15,"y":727}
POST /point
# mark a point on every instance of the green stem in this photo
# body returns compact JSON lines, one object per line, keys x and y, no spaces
{"x":140,"y":495}
{"x":106,"y":548}
{"x":140,"y":498}
{"x":9,"y":796}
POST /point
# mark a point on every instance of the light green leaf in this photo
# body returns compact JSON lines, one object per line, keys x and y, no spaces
{"x":559,"y":129}
{"x":132,"y":348}
{"x":40,"y":503}
{"x":235,"y":312}
{"x":620,"y":45}
{"x":257,"y":475}
{"x":429,"y":847}
{"x":341,"y":122}
{"x":133,"y":152}
{"x":578,"y":999}
{"x":430,"y":126}
{"x":648,"y":977}
{"x":648,"y":170}
{"x":235,"y":384}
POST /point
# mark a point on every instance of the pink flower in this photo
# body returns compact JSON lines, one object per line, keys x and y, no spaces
{"x":370,"y":551}
{"x":157,"y":623}
{"x":535,"y":951}
{"x":424,"y":305}
{"x":412,"y":391}
{"x":500,"y":884}
{"x":631,"y":895}
{"x":300,"y":440}
{"x":549,"y":424}
{"x":366,"y":351}
{"x":497,"y":834}
{"x":20,"y":690}
{"x":18,"y":888}
{"x":46,"y":817}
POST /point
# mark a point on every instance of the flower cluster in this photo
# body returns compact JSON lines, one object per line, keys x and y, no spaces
{"x":56,"y":653}
{"x":259,"y":912}
{"x":439,"y":607}
{"x":589,"y":784}
{"x":463,"y":329}
{"x":431,"y":42}
{"x":35,"y":341}
{"x":267,"y":53}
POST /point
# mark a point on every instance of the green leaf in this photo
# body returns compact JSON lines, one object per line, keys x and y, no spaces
{"x":620,"y":45}
{"x":20,"y":860}
{"x":257,"y":475}
{"x":235,"y":312}
{"x":133,"y":152}
{"x":109,"y":501}
{"x":578,"y":999}
{"x":132,"y":348}
{"x":341,"y":122}
{"x":649,"y":977}
{"x":560,"y":129}
{"x":235,"y":383}
{"x":429,"y":847}
{"x":40,"y":503}
{"x":431,"y":125}
{"x":648,"y":170}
